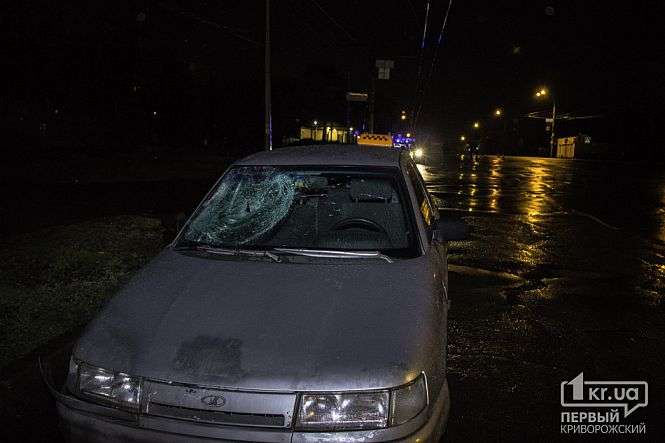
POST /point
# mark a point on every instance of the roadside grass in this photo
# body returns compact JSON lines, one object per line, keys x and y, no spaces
{"x":54,"y":280}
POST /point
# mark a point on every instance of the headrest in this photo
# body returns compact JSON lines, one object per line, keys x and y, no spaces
{"x":313,"y":182}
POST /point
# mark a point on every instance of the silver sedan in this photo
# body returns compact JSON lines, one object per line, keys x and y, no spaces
{"x":305,"y":299}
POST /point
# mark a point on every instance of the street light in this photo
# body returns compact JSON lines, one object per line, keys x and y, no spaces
{"x":403,"y":117}
{"x":462,"y":138}
{"x":315,"y":130}
{"x":541,"y":94}
{"x":498,"y":112}
{"x":476,"y":125}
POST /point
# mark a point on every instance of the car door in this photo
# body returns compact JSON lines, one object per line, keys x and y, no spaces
{"x":429,"y":215}
{"x":435,"y":252}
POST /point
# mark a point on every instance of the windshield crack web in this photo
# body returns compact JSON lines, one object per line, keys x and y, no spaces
{"x":246,"y":206}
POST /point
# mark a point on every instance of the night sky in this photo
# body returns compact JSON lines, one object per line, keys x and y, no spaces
{"x":191,"y":72}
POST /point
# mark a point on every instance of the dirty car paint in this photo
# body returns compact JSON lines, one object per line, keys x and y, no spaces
{"x":273,"y":326}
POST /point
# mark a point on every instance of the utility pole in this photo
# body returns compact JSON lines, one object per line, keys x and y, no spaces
{"x":372,"y":94}
{"x":348,"y":104}
{"x":541,"y":94}
{"x":268,"y":110}
{"x":384,"y":67}
{"x":552,"y":131}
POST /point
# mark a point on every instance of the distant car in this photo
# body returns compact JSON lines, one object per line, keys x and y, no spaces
{"x":306,"y":299}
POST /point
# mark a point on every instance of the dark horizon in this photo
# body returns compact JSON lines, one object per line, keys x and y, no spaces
{"x":164,"y":73}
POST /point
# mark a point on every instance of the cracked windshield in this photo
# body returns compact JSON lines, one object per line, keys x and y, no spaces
{"x":267,"y":207}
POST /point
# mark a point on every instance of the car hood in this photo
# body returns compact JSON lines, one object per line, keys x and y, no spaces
{"x":263,"y":325}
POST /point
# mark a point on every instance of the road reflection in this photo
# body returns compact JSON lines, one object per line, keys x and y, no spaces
{"x":564,"y":270}
{"x":630,"y":198}
{"x":548,"y":219}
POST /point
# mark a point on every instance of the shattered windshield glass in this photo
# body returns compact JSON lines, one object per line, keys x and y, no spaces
{"x":281,"y":207}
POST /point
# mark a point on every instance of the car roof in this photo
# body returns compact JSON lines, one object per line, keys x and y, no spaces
{"x":329,"y":155}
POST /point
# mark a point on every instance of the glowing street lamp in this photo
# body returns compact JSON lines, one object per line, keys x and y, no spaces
{"x":403,"y":117}
{"x":541,"y":94}
{"x":462,"y":138}
{"x":315,"y":122}
{"x":498,"y":112}
{"x":476,"y":125}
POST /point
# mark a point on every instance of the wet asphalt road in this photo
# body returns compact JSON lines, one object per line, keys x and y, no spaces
{"x":564,"y":273}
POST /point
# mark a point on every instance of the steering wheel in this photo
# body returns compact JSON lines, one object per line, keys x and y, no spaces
{"x":360,"y":223}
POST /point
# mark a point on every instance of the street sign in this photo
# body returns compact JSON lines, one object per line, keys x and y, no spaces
{"x":356,"y":97}
{"x":390,"y":64}
{"x":384,"y":67}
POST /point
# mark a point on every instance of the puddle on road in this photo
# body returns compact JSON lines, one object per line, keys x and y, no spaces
{"x":479,"y":277}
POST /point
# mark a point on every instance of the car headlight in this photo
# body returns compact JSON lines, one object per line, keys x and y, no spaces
{"x":105,"y":386}
{"x":362,"y":410}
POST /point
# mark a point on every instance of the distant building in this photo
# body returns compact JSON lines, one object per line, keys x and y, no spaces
{"x":578,"y":146}
{"x":328,"y":133}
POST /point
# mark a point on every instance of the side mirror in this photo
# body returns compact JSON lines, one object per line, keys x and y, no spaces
{"x":450,"y":230}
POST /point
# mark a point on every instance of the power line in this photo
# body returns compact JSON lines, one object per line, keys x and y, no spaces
{"x":232,"y":31}
{"x":413,"y":10}
{"x":421,"y":54}
{"x":332,"y":20}
{"x":304,"y":19}
{"x":435,"y":57}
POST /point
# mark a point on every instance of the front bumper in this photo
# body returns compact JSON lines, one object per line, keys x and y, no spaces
{"x":84,"y":421}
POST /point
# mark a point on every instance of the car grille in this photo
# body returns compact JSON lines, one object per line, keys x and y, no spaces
{"x":218,"y":417}
{"x":217,"y":406}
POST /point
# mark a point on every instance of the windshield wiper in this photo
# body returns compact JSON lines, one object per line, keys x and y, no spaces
{"x":229,"y":251}
{"x":328,"y":253}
